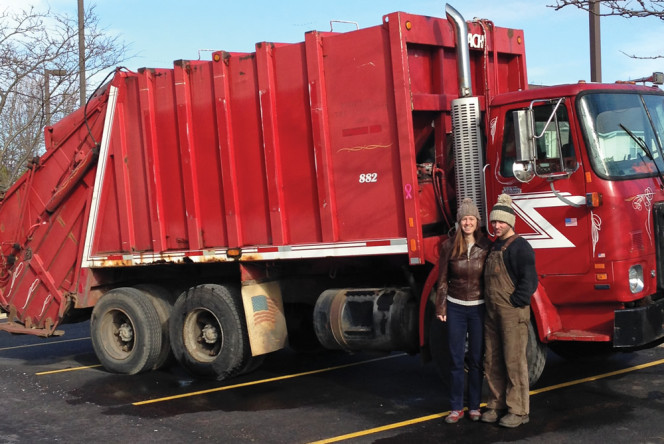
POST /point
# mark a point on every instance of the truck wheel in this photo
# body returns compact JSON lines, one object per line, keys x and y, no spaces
{"x":125,"y":331}
{"x":208,"y":332}
{"x":162,"y":300}
{"x":536,"y":354}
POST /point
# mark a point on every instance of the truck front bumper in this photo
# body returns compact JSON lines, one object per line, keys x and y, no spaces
{"x":636,"y":327}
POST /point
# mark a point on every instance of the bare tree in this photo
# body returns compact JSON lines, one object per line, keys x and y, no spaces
{"x":37,"y":48}
{"x":622,"y":8}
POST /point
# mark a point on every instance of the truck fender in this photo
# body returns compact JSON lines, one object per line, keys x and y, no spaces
{"x":429,"y":286}
{"x":547,"y":319}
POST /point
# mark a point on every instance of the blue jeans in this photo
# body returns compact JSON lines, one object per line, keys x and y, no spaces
{"x":465,"y":321}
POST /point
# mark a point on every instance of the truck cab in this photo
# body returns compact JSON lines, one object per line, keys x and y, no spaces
{"x":583,"y":164}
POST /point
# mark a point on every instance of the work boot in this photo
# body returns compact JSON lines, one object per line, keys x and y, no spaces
{"x":490,"y":415}
{"x":511,"y":420}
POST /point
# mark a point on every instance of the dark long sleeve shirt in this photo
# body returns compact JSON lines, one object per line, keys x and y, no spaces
{"x":519,"y":258}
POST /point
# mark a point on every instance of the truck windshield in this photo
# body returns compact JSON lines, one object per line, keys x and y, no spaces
{"x":624,"y":133}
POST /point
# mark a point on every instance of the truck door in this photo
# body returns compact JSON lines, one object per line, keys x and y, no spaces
{"x":550,"y":208}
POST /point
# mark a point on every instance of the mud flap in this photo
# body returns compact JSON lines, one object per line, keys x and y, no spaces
{"x":264,"y":311}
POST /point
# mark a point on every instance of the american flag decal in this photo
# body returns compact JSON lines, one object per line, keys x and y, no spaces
{"x":264,"y":309}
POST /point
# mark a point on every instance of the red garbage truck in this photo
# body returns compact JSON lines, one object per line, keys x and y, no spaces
{"x":297,"y":195}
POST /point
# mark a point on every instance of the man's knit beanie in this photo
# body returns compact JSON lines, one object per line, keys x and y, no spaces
{"x":503,"y":211}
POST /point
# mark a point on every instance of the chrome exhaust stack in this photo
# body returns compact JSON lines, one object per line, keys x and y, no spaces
{"x":466,"y":120}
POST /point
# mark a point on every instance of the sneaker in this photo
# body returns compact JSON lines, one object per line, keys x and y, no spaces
{"x":454,"y":416}
{"x":491,"y":415}
{"x":511,"y":420}
{"x":474,"y":415}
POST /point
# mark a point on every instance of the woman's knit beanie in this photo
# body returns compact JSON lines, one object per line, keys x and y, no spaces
{"x":467,"y":208}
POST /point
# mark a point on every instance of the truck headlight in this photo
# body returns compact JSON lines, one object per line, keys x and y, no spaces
{"x":635,"y":278}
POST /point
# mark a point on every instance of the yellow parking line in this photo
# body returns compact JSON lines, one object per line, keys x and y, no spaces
{"x":43,"y":343}
{"x":362,"y":432}
{"x":384,"y":428}
{"x":595,"y":378}
{"x":262,"y":381}
{"x":421,"y":419}
{"x":387,"y":427}
{"x":71,"y":369}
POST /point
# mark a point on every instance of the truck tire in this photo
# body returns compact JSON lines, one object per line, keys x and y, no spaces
{"x":125,"y":331}
{"x":162,"y":300}
{"x":536,"y":354}
{"x":208,"y":332}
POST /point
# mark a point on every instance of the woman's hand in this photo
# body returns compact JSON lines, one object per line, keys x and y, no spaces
{"x":441,"y":318}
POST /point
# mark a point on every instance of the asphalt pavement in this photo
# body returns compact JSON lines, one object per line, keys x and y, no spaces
{"x":54,"y":390}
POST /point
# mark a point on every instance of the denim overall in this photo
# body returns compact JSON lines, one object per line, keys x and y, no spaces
{"x":506,"y":339}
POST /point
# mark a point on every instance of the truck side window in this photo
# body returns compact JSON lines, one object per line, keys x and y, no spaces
{"x":509,"y":147}
{"x":555,"y":150}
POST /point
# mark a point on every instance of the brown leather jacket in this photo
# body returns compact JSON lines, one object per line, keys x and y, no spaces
{"x":461,"y":277}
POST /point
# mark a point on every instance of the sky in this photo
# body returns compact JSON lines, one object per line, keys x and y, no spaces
{"x":557,"y":42}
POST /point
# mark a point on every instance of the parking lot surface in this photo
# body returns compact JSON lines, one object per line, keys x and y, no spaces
{"x":54,"y":390}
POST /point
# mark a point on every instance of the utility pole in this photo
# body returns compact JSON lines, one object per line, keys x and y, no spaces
{"x":595,"y":42}
{"x":81,"y":50}
{"x":47,"y":90}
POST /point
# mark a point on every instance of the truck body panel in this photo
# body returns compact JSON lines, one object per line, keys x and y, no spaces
{"x":296,"y":150}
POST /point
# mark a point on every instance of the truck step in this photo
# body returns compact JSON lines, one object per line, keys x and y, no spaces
{"x":578,"y":335}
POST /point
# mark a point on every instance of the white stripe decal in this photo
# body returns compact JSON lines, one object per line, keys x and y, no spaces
{"x":545,"y":234}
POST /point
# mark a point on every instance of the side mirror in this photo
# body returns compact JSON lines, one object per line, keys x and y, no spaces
{"x":524,"y":140}
{"x":523,"y":135}
{"x":523,"y":171}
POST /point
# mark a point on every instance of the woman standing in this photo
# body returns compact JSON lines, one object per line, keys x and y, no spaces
{"x":460,"y":303}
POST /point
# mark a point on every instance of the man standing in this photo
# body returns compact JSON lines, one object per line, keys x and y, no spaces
{"x":510,"y":279}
